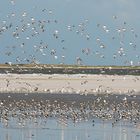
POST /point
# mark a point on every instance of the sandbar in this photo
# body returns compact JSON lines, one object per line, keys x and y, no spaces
{"x":69,"y":83}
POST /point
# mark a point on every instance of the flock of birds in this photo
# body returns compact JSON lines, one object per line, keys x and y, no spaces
{"x":29,"y":44}
{"x":32,"y":39}
{"x":37,"y":112}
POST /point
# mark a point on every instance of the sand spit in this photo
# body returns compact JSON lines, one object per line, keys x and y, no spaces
{"x":64,"y":83}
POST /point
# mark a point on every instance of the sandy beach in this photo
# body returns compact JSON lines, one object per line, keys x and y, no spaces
{"x":78,"y":83}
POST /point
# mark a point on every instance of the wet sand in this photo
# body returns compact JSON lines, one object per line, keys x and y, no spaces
{"x":72,"y":84}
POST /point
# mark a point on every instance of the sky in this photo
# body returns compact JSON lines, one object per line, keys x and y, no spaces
{"x":94,"y":32}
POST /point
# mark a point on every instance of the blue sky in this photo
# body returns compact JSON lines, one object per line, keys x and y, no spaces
{"x":100,"y":32}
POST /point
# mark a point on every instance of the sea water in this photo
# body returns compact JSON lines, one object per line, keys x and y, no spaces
{"x":51,"y":129}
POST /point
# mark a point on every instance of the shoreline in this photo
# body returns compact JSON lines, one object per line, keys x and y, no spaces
{"x":70,"y":84}
{"x":68,"y":69}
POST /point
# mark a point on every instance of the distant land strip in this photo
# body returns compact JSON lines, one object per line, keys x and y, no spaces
{"x":68,"y":69}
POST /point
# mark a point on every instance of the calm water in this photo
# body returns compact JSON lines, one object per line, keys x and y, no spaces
{"x":54,"y":130}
